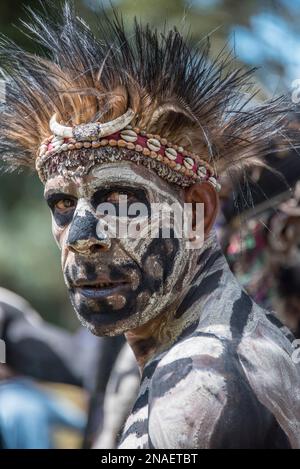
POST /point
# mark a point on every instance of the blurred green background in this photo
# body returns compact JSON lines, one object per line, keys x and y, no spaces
{"x":263,"y":33}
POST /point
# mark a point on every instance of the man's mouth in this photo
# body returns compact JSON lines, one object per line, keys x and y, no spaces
{"x":100,"y":289}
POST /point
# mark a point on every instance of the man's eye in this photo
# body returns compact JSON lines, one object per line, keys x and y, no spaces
{"x":64,"y":205}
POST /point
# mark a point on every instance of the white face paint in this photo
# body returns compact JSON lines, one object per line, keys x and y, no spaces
{"x":117,"y":284}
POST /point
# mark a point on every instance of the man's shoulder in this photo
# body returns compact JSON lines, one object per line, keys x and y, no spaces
{"x":217,"y":344}
{"x":267,"y":358}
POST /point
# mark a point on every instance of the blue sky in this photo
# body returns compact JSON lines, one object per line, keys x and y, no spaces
{"x":271,"y":38}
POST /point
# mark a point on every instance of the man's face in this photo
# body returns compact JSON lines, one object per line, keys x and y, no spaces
{"x":115,"y":284}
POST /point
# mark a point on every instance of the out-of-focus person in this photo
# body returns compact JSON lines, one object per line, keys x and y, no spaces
{"x":265,"y":255}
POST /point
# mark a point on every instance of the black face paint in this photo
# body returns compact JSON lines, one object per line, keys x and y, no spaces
{"x":131,"y":195}
{"x":90,"y":271}
{"x":62,"y":219}
{"x":116,"y":283}
{"x":100,"y":312}
{"x":82,"y":228}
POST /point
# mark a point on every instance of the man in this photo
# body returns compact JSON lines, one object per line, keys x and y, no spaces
{"x":147,"y":118}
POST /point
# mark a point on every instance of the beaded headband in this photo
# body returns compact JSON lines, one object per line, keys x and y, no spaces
{"x":184,"y":168}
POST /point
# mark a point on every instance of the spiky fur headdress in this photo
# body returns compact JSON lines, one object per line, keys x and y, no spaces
{"x":177,"y":94}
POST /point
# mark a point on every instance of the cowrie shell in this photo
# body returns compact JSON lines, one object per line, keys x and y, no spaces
{"x":171,"y":153}
{"x":202,"y":171}
{"x":129,"y":135}
{"x":153,"y":144}
{"x":188,"y":162}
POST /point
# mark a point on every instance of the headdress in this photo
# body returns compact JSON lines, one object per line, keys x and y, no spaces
{"x":147,"y":97}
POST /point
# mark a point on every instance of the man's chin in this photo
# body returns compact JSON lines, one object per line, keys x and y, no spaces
{"x":99,"y":329}
{"x":99,"y":326}
{"x":102,"y":320}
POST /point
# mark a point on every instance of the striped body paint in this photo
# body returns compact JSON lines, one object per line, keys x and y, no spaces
{"x":216,"y":372}
{"x":227,"y":382}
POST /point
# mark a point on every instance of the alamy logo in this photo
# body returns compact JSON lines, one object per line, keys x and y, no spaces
{"x":2,"y":351}
{"x":158,"y":220}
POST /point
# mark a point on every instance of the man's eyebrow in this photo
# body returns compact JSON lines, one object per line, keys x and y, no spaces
{"x":141,"y":192}
{"x":120,"y":187}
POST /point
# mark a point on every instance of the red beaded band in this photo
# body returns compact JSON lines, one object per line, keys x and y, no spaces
{"x":152,"y":146}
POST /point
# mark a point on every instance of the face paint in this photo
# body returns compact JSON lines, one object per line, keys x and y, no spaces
{"x":116,"y":284}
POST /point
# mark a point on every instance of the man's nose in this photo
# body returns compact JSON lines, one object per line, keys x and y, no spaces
{"x":84,"y":237}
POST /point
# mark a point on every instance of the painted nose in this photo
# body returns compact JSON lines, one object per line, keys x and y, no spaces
{"x":85,"y":237}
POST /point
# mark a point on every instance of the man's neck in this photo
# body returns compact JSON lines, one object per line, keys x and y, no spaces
{"x":160,"y":333}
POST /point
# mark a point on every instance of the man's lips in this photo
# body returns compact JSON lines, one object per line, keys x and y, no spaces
{"x":100,"y":288}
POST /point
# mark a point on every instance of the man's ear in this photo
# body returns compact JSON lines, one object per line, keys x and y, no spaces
{"x":205,"y":193}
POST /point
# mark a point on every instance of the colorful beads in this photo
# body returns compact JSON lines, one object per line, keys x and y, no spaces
{"x":152,"y":146}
